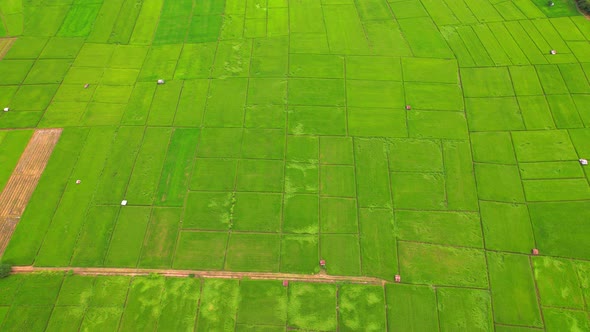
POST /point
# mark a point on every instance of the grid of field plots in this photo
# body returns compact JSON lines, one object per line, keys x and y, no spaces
{"x":438,"y":140}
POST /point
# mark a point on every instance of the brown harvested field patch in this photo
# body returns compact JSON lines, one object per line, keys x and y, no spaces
{"x":5,"y":45}
{"x":24,"y":179}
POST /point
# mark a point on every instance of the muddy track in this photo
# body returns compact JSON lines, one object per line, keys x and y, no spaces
{"x":95,"y":271}
{"x":23,"y":181}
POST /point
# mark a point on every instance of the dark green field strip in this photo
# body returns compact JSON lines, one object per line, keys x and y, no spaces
{"x":371,"y":174}
{"x":513,"y":289}
{"x":79,"y":20}
{"x":378,"y":246}
{"x":145,"y":177}
{"x":178,"y":166}
{"x":36,"y":219}
{"x":95,"y":235}
{"x":119,"y":166}
{"x":551,"y":235}
{"x":460,"y":182}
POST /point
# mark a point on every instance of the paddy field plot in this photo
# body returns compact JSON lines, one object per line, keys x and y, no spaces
{"x":435,"y":140}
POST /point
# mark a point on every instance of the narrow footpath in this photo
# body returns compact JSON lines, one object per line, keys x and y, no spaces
{"x":95,"y":271}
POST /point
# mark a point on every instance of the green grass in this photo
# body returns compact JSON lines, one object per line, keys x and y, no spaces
{"x":553,"y":239}
{"x":437,"y":140}
{"x":262,"y":303}
{"x":219,"y":300}
{"x":411,"y":308}
{"x":119,"y":166}
{"x":160,"y":238}
{"x":465,"y":307}
{"x":110,"y":292}
{"x":29,"y":235}
{"x":142,"y":308}
{"x":378,"y":246}
{"x":60,"y":240}
{"x":342,"y":253}
{"x":65,"y":318}
{"x":76,"y":290}
{"x":253,"y":252}
{"x":12,"y":144}
{"x":568,"y":293}
{"x":9,"y":288}
{"x":372,"y":177}
{"x":361,"y":307}
{"x":27,"y":318}
{"x":511,"y":281}
{"x":299,"y":254}
{"x":128,"y":237}
{"x":177,"y":168}
{"x":146,"y":174}
{"x":516,"y":237}
{"x":200,"y":250}
{"x":338,"y":215}
{"x":98,"y":318}
{"x":39,"y":290}
{"x":311,"y":306}
{"x":301,"y":214}
{"x":452,"y":228}
{"x":257,"y":212}
{"x":445,"y":265}
{"x":179,"y":304}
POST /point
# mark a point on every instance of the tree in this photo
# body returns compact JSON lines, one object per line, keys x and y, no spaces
{"x":4,"y":270}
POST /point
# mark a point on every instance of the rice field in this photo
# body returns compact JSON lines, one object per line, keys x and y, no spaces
{"x":439,"y":141}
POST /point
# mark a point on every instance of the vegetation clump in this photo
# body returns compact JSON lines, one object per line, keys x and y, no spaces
{"x":584,"y":6}
{"x":4,"y":270}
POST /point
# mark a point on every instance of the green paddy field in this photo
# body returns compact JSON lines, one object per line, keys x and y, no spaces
{"x":438,"y":140}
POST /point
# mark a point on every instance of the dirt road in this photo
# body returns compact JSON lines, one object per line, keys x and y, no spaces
{"x":322,"y":277}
